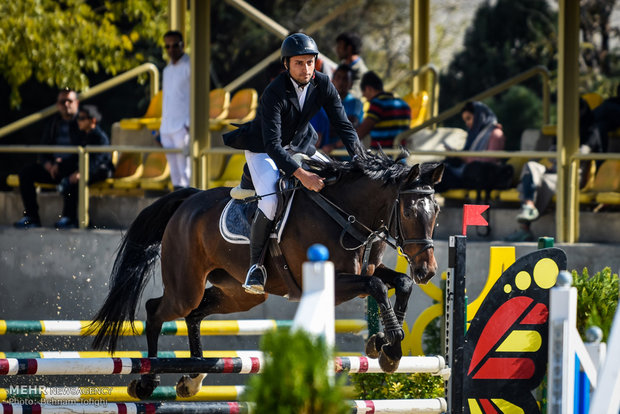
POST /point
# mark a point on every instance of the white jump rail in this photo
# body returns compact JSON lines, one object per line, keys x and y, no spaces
{"x":568,"y":392}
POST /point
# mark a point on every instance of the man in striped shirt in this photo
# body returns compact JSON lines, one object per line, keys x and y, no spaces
{"x":387,"y":116}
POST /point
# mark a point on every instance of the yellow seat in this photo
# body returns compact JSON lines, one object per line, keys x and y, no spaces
{"x":151,"y":118}
{"x":12,"y":180}
{"x":156,"y":172}
{"x":418,"y":103}
{"x":128,"y":170}
{"x":593,"y":99}
{"x":219,"y":103}
{"x":242,"y":107}
{"x":231,"y":176}
{"x":607,"y":183}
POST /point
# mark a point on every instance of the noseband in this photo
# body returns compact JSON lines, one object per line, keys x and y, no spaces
{"x":401,"y":240}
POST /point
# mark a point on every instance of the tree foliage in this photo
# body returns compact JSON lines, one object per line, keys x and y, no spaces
{"x":60,"y":43}
{"x":504,"y":39}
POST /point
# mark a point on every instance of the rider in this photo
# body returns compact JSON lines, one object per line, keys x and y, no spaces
{"x":281,"y":128}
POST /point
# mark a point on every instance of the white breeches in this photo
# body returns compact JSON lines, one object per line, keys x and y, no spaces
{"x":265,"y":176}
{"x":180,"y":166}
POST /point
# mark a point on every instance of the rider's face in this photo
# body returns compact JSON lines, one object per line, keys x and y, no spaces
{"x":301,"y":68}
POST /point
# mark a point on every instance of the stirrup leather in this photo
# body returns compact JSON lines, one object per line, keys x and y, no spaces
{"x":254,"y":286}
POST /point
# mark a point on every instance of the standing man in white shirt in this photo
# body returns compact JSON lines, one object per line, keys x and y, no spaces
{"x":174,"y":129}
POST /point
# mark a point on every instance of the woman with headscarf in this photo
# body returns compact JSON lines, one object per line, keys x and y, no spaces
{"x":484,"y":133}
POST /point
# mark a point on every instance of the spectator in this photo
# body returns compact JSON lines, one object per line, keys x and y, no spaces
{"x":387,"y":116}
{"x":539,"y":182}
{"x":607,"y":118}
{"x":174,"y":129}
{"x":484,"y":133}
{"x":281,"y":129}
{"x":353,"y":107}
{"x":65,"y":129}
{"x":348,"y":48}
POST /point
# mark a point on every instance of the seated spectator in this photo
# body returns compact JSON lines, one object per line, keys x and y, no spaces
{"x":538,"y":182}
{"x":353,"y":107}
{"x":348,"y":48}
{"x":62,"y":168}
{"x":607,"y":118}
{"x":387,"y":116}
{"x":484,"y":133}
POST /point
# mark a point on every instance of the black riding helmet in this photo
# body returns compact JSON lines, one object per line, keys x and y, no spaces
{"x":298,"y":44}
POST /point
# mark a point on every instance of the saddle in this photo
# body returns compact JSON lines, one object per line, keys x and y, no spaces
{"x":235,"y":223}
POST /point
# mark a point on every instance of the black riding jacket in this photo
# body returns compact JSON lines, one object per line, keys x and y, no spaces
{"x":280,"y":122}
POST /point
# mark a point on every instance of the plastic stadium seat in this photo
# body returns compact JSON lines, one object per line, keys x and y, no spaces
{"x":593,"y":99}
{"x":219,"y":102}
{"x":128,"y":171}
{"x":12,"y":180}
{"x":231,"y":176}
{"x":419,"y":106}
{"x":156,"y":172}
{"x":606,"y":184}
{"x":151,"y":119}
{"x":242,"y":107}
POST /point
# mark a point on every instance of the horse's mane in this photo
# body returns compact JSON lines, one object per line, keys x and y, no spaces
{"x":376,"y":166}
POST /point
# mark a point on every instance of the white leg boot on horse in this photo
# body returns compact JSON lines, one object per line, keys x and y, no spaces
{"x":259,"y":235}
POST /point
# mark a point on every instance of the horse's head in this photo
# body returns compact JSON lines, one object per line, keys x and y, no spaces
{"x":415,"y":216}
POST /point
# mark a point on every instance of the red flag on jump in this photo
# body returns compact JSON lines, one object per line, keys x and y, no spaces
{"x":472,"y":216}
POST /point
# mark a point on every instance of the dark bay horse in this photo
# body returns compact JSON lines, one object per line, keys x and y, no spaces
{"x":382,"y":199}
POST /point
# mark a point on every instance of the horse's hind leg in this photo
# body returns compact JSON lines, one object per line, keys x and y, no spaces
{"x":190,"y":384}
{"x":227,"y":297}
{"x":144,"y":387}
{"x":349,"y":286}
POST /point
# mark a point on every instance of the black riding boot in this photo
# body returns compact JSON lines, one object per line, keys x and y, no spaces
{"x":259,"y":234}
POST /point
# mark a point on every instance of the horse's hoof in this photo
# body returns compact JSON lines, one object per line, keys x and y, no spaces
{"x":136,"y":390}
{"x":393,"y":351}
{"x":387,"y":364}
{"x":189,"y":386}
{"x":374,"y":344}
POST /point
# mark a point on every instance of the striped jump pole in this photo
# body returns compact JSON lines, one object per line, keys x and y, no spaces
{"x":174,"y":328}
{"x":31,"y":394}
{"x":238,"y":365}
{"x":130,"y":354}
{"x":44,"y":394}
{"x":436,"y":405}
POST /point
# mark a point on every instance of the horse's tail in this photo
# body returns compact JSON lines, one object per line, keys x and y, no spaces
{"x":132,"y":269}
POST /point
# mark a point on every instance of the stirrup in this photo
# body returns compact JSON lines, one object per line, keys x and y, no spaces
{"x":255,"y":285}
{"x":239,"y":193}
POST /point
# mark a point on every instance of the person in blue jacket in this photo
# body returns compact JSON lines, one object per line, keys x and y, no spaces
{"x":282,"y":128}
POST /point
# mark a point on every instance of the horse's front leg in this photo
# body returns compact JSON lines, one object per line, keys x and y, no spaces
{"x":349,"y":286}
{"x":403,"y":286}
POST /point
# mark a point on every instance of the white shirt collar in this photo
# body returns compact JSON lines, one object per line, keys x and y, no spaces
{"x":301,"y":92}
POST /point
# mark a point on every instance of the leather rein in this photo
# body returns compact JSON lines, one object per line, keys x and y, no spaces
{"x":382,"y":233}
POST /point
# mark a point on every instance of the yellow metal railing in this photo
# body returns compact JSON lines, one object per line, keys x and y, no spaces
{"x":83,"y":154}
{"x":149,"y":68}
{"x":535,"y":71}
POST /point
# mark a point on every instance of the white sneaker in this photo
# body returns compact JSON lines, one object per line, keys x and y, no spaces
{"x":528,"y":214}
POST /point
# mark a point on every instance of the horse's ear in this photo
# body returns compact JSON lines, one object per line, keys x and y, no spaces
{"x":414,"y":173}
{"x":437,"y":174}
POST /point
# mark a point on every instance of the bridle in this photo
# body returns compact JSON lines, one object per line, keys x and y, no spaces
{"x":397,"y":242}
{"x":400,"y":239}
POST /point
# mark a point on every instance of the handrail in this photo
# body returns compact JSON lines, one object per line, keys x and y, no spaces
{"x":434,"y":101}
{"x":537,"y":70}
{"x":83,"y":153}
{"x":95,"y":90}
